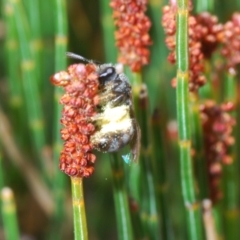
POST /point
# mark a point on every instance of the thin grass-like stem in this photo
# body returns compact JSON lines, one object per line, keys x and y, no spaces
{"x":79,"y":215}
{"x":10,"y":222}
{"x":108,"y":28}
{"x":14,"y":79}
{"x":160,"y":173}
{"x":204,"y":5}
{"x":148,"y":197}
{"x":124,"y":225}
{"x":231,"y":179}
{"x":33,"y":14}
{"x":30,"y":87}
{"x":1,"y":171}
{"x":60,"y":64}
{"x":194,"y":222}
{"x":198,"y":146}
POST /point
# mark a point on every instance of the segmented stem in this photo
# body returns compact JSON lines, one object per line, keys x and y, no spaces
{"x":160,"y":174}
{"x":186,"y":165}
{"x":198,"y":146}
{"x":231,"y":180}
{"x":60,"y":64}
{"x":124,"y":225}
{"x":30,"y":86}
{"x":148,"y":201}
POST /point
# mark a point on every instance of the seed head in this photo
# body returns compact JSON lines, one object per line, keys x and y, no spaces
{"x":132,"y":36}
{"x":217,"y":128}
{"x":203,"y":40}
{"x":80,"y":83}
{"x":231,"y":41}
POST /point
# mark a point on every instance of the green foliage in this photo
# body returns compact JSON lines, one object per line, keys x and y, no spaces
{"x":158,"y":198}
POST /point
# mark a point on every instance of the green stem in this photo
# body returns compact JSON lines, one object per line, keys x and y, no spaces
{"x":60,"y":64}
{"x":133,"y":181}
{"x":206,"y":91}
{"x":9,"y":215}
{"x":139,"y":231}
{"x":204,"y":6}
{"x":153,"y":72}
{"x":1,"y":170}
{"x":124,"y":225}
{"x":79,"y":215}
{"x":33,"y":12}
{"x":149,"y":194}
{"x":230,"y":183}
{"x":49,"y":20}
{"x":160,"y":173}
{"x":14,"y":79}
{"x":218,"y":220}
{"x":187,"y":177}
{"x":30,"y":88}
{"x":12,"y":58}
{"x":197,"y":136}
{"x":108,"y":28}
{"x":149,"y":200}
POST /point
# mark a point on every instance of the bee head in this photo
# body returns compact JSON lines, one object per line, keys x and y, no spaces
{"x":106,"y":74}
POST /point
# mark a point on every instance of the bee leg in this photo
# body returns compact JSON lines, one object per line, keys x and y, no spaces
{"x":115,"y":99}
{"x":121,"y":86}
{"x":103,"y":99}
{"x":118,"y":100}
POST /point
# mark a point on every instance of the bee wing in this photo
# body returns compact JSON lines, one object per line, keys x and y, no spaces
{"x":136,"y":142}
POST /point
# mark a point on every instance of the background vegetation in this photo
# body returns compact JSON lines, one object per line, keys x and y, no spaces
{"x":165,"y":202}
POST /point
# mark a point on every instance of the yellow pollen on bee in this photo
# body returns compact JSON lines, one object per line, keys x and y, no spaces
{"x":114,"y":119}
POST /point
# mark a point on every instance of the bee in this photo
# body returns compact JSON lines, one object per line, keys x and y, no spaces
{"x":116,"y":125}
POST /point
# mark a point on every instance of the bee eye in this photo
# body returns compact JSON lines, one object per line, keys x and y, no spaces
{"x":107,"y":74}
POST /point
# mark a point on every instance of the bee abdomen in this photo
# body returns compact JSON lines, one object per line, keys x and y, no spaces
{"x":110,"y":142}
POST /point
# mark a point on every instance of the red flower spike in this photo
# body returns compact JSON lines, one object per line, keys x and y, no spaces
{"x":80,"y":83}
{"x":231,"y":41}
{"x":217,"y":128}
{"x":132,"y":36}
{"x":60,"y":79}
{"x":209,"y":31}
{"x":203,"y":40}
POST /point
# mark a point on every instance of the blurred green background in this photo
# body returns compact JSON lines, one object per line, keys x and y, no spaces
{"x":33,"y":42}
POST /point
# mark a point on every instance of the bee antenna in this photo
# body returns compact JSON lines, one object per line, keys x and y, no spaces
{"x":76,"y":56}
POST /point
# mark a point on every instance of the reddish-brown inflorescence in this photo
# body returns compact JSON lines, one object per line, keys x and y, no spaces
{"x":231,"y":41}
{"x":203,"y":32}
{"x":80,"y":83}
{"x":169,"y":25}
{"x":208,"y":30}
{"x":196,"y":79}
{"x":217,"y":128}
{"x":132,"y":36}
